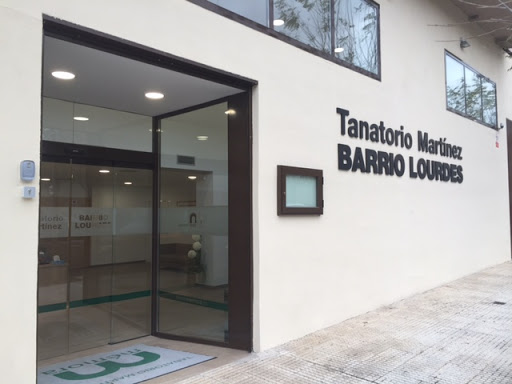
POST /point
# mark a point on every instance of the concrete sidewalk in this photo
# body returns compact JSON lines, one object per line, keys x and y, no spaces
{"x":458,"y":333}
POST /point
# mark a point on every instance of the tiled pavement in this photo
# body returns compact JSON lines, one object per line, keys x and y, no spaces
{"x":455,"y":334}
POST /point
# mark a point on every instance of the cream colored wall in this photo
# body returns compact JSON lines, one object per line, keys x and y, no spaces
{"x":20,"y":100}
{"x":380,"y":238}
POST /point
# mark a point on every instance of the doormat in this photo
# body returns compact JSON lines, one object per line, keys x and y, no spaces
{"x":123,"y":366}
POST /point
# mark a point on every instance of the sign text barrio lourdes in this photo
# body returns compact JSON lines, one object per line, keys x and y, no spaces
{"x":394,"y":164}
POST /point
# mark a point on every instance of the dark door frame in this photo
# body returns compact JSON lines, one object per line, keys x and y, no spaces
{"x":509,"y":154}
{"x":239,"y":223}
{"x":239,"y":169}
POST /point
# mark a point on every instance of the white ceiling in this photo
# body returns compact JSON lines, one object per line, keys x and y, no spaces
{"x":115,"y":82}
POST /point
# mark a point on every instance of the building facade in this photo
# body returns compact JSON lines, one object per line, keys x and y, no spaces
{"x":241,"y":176}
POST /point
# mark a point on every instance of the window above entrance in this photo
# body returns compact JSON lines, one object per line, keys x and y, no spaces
{"x":343,"y":31}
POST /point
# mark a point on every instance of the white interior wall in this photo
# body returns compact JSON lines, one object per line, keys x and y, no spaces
{"x":129,"y":237}
{"x":380,"y":238}
{"x":172,"y":194}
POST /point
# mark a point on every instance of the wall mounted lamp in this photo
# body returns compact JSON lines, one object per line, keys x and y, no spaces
{"x":464,"y":43}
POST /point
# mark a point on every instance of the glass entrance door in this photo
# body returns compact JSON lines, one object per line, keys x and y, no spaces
{"x":193,"y":289}
{"x":94,"y":257}
{"x":108,"y":213}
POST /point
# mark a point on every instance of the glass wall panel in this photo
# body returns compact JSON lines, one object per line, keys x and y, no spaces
{"x":53,"y":260}
{"x":356,"y":42}
{"x":94,"y":256}
{"x":193,"y":267}
{"x":90,"y":261}
{"x":305,"y":21}
{"x":132,"y":249}
{"x":489,"y":102}
{"x":455,"y":91}
{"x":473,"y":94}
{"x":256,"y":10}
{"x":68,"y":122}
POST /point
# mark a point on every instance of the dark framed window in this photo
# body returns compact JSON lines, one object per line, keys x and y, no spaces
{"x":306,"y":21}
{"x":469,"y":93}
{"x":256,"y":10}
{"x":299,"y":191}
{"x":343,"y":31}
{"x":357,"y":33}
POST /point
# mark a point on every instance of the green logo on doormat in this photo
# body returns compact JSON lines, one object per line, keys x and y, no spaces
{"x":107,"y":363}
{"x":129,"y":365}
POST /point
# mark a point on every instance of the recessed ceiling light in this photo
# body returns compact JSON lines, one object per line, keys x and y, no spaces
{"x":128,"y":183}
{"x":202,"y":138}
{"x":45,"y":179}
{"x":339,"y":49}
{"x":230,"y":112}
{"x":278,"y":22}
{"x":104,"y":171}
{"x":192,"y":177}
{"x":154,"y":95}
{"x":80,"y":118}
{"x":63,"y":75}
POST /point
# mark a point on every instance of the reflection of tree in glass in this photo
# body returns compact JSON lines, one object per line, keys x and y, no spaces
{"x":356,"y":33}
{"x":477,"y":100}
{"x":473,"y":94}
{"x":489,"y":102}
{"x":455,"y":96}
{"x":308,"y":21}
